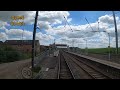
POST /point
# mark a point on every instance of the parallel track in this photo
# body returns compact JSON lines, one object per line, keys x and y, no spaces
{"x":95,"y":74}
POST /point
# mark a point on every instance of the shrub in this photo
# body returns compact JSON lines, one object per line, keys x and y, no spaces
{"x":8,"y":54}
{"x":36,"y":69}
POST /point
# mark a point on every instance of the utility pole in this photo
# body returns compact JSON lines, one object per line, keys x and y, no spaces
{"x":109,"y":45}
{"x":73,"y":45}
{"x":98,"y":26}
{"x":78,"y":47}
{"x":116,"y":34}
{"x":54,"y":41}
{"x":86,"y":47}
{"x":33,"y":41}
{"x":54,"y":45}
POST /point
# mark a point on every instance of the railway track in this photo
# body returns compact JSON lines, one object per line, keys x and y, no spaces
{"x":64,"y":70}
{"x":93,"y":73}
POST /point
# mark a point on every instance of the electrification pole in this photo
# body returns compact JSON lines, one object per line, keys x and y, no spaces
{"x":116,"y":34}
{"x":73,"y":45}
{"x":109,"y":45}
{"x":86,"y":47}
{"x":33,"y":41}
{"x":98,"y":26}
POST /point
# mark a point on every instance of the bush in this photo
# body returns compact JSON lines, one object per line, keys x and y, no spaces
{"x":2,"y":57}
{"x":36,"y":69}
{"x":8,"y":54}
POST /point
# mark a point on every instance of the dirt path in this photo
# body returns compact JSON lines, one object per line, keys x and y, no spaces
{"x":13,"y":70}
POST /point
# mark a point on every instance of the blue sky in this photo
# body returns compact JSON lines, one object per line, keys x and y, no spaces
{"x":92,"y":16}
{"x":78,"y":16}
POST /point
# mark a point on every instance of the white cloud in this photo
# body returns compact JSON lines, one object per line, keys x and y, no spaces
{"x":3,"y":36}
{"x":47,"y":20}
{"x":47,"y":17}
{"x":53,"y":17}
{"x":84,"y":31}
{"x":3,"y":25}
{"x":44,"y":38}
{"x":108,"y":19}
{"x":44,"y":25}
{"x":6,"y":15}
{"x":16,"y":34}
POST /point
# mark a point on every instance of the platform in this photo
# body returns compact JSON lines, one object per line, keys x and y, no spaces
{"x":108,"y":63}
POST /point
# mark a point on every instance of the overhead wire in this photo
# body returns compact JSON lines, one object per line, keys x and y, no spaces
{"x":68,"y":23}
{"x":88,"y":23}
{"x":65,"y":26}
